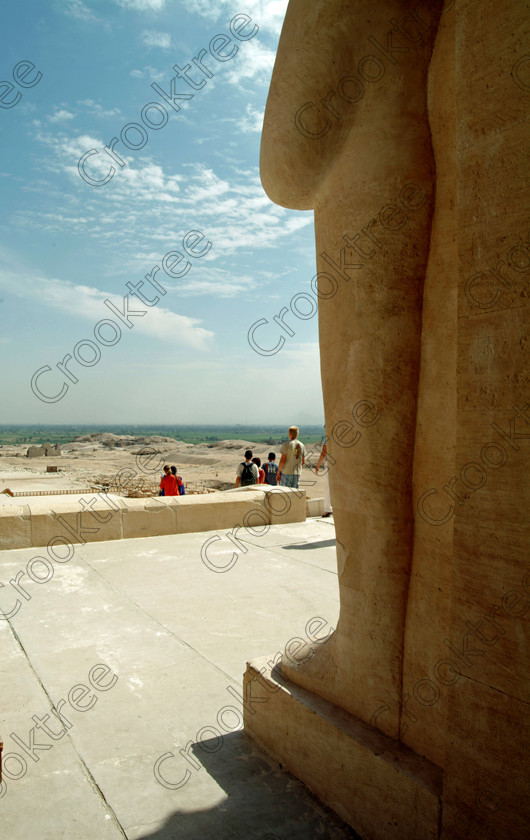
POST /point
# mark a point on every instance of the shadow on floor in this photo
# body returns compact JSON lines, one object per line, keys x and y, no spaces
{"x":306,"y":546}
{"x":263,"y":802}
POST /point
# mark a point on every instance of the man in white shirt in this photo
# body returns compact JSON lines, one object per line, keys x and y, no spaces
{"x":293,"y":459}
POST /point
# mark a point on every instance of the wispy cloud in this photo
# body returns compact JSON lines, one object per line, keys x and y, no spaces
{"x":150,"y":73}
{"x":61,"y":116}
{"x":142,"y":5}
{"x":65,"y":150}
{"x":95,"y":109}
{"x":216,"y":282}
{"x":146,"y":208}
{"x":255,"y":62}
{"x":162,"y":40}
{"x":252,"y":121}
{"x":268,"y":14}
{"x":87,"y":303}
{"x":77,"y":9}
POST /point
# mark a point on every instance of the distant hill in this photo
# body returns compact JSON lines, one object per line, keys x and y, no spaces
{"x":269,"y":435}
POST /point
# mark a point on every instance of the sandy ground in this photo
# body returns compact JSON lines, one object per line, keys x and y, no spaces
{"x":127,"y":462}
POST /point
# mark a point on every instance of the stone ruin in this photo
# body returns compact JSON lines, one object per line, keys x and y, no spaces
{"x":44,"y":451}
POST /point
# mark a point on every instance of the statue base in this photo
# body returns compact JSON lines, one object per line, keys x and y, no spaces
{"x":375,"y":784}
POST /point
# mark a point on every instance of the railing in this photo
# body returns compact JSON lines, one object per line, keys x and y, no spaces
{"x":9,"y":492}
{"x":131,"y":491}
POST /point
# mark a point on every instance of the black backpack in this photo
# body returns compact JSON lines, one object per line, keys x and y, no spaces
{"x":247,"y":476}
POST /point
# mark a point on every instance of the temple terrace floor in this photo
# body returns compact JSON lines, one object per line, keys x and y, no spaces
{"x":140,"y":647}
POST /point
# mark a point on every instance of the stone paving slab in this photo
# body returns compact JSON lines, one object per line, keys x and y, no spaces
{"x":316,"y":547}
{"x":177,"y":636}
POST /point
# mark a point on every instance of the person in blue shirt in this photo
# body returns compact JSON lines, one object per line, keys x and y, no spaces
{"x":271,"y":469}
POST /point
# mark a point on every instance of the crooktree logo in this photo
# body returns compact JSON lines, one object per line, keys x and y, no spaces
{"x":316,"y":119}
{"x":358,"y":249}
{"x":474,"y":474}
{"x":9,"y":95}
{"x":107,"y":332}
{"x":154,"y":115}
{"x":54,"y":725}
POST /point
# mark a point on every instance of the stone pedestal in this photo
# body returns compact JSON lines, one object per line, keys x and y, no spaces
{"x":377,"y":785}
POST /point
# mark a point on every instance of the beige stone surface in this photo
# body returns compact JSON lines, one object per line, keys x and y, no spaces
{"x":372,"y":324}
{"x":428,"y":601}
{"x":354,"y":768}
{"x":67,"y":519}
{"x":429,"y":324}
{"x":177,"y":637}
{"x":488,"y":765}
{"x":290,"y":507}
{"x":15,"y":526}
{"x":487,"y":729}
{"x":140,"y":517}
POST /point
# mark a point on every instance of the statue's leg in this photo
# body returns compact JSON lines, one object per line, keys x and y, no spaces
{"x":370,"y":332}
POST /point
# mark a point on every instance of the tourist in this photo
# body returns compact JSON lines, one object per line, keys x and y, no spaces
{"x":293,"y":459}
{"x":169,"y":483}
{"x":180,"y":483}
{"x":261,"y":472}
{"x":247,"y":472}
{"x":271,"y":470}
{"x":328,"y":510}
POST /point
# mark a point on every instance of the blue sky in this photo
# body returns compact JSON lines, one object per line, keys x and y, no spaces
{"x":68,"y":245}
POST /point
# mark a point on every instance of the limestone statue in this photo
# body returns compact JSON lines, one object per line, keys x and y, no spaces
{"x":347,"y":132}
{"x":404,"y":125}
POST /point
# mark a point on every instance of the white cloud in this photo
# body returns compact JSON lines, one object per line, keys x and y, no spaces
{"x":61,"y":116}
{"x":150,"y":73}
{"x":146,"y":209}
{"x":252,"y":122}
{"x":157,"y":39}
{"x":268,"y":14}
{"x":97,"y":110}
{"x":305,"y":354}
{"x":254,"y":62}
{"x":87,"y":302}
{"x":215,"y":282}
{"x":66,"y":151}
{"x":142,"y":5}
{"x":77,"y":9}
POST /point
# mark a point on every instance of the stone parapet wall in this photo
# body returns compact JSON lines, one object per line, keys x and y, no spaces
{"x":103,"y":517}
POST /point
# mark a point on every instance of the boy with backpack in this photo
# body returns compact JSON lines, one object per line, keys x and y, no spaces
{"x":271,"y":468}
{"x":247,"y":472}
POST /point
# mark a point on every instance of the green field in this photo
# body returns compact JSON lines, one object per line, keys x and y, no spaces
{"x":270,"y":435}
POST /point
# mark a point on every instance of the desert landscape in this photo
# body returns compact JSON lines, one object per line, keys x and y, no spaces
{"x":131,"y":465}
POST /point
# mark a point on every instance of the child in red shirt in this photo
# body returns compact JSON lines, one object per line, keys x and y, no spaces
{"x":257,"y":461}
{"x":169,"y":483}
